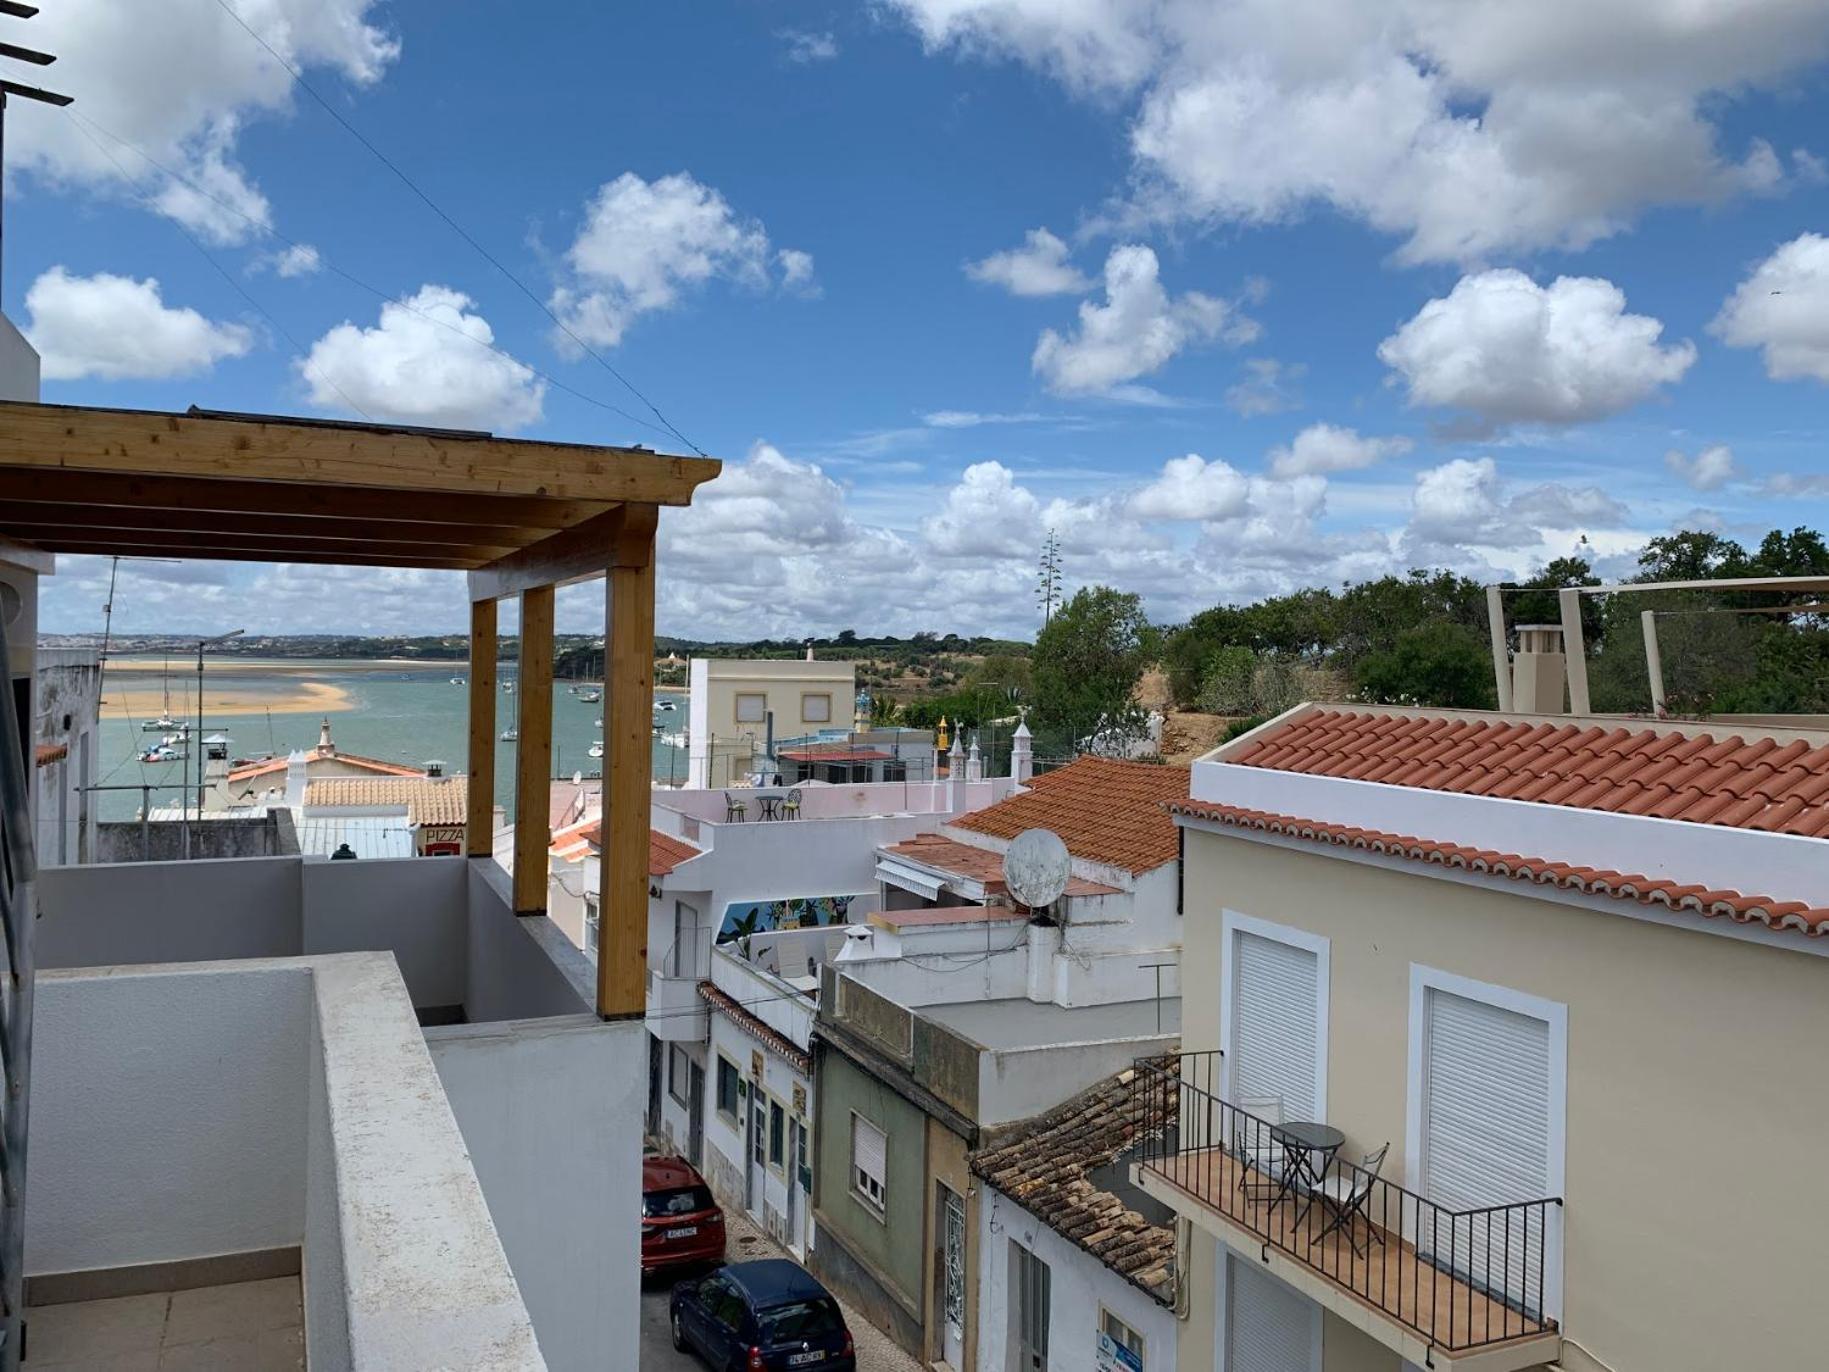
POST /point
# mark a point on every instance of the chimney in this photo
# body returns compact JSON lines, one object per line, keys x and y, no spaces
{"x":297,"y":774}
{"x":974,"y":764}
{"x":1022,"y":755}
{"x":325,"y":746}
{"x":809,"y":650}
{"x":1539,"y":671}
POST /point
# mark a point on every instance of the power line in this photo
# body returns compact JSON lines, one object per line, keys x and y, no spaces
{"x":357,"y":281}
{"x":456,"y":228}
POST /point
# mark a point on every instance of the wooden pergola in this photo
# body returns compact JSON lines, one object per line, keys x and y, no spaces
{"x":522,"y":518}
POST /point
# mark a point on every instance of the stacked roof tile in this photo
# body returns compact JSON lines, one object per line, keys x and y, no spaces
{"x":1665,"y":772}
{"x":437,"y":801}
{"x":1047,"y":1170}
{"x":1794,"y":915}
{"x":1104,"y":810}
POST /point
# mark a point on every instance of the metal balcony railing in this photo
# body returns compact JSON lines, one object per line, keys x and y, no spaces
{"x":17,"y":873}
{"x":1460,"y":1279}
{"x":689,"y":957}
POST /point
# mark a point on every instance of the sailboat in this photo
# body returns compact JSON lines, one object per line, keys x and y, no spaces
{"x":164,"y":723}
{"x":590,"y":695}
{"x":512,"y":732}
{"x":596,"y":749}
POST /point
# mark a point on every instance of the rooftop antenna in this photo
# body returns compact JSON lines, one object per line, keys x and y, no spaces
{"x":1036,"y":868}
{"x":13,"y":9}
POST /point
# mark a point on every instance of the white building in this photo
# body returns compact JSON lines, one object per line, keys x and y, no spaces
{"x":66,"y":747}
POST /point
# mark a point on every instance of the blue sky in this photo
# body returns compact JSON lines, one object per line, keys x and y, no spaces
{"x":1237,"y":297}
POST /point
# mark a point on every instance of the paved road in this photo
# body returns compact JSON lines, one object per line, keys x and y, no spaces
{"x":875,"y":1353}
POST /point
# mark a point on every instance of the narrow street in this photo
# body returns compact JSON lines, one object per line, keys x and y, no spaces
{"x":875,"y":1353}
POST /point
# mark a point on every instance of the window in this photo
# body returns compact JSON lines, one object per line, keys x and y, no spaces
{"x":1123,"y":1338}
{"x":869,"y":1161}
{"x":752,"y":707}
{"x":678,"y":1200}
{"x":777,"y":1135}
{"x":679,"y":1072}
{"x":815,"y":708}
{"x":591,"y":925}
{"x":730,"y":1088}
{"x":1030,"y":1281}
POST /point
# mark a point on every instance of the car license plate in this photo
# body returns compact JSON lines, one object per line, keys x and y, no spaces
{"x":684,"y":1233}
{"x":802,"y":1359}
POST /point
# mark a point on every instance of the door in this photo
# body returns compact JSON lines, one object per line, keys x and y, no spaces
{"x":656,"y":1065}
{"x":1030,"y":1281}
{"x":1276,"y":1032}
{"x":795,"y":1147}
{"x":758,"y":1151}
{"x":1486,"y":1106}
{"x":1270,"y":1326}
{"x":952,"y":1267}
{"x":695,"y":1117}
{"x":687,"y":935}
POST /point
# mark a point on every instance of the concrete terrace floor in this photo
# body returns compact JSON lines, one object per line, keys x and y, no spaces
{"x":255,"y":1326}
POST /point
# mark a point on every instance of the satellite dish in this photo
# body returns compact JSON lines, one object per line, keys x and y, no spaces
{"x":1036,"y":868}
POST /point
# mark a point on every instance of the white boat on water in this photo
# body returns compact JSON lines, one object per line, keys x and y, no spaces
{"x":510,"y":734}
{"x":508,"y":686}
{"x":666,"y":705}
{"x":596,"y":749}
{"x":459,"y":681}
{"x":160,"y":725}
{"x":590,"y":696}
{"x":161,"y":752}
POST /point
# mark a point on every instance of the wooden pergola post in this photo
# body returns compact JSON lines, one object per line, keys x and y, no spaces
{"x":628,"y":741}
{"x":533,"y":761}
{"x":479,"y":813}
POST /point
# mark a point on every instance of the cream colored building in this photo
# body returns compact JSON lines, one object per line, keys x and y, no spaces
{"x":733,"y":702}
{"x":1572,"y":971}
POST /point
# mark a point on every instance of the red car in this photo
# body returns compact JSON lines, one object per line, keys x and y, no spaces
{"x":681,"y":1224}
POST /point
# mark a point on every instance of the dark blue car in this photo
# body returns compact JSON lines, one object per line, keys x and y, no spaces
{"x":764,"y":1316}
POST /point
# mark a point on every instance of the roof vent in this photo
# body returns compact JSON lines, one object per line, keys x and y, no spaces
{"x":1539,"y":671}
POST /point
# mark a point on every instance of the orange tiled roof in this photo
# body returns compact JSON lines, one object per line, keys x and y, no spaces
{"x":796,"y":1055}
{"x":367,"y":764}
{"x":665,"y":852}
{"x":1761,"y":783}
{"x":1710,"y":904}
{"x":47,"y":753}
{"x":437,"y":801}
{"x":1104,"y":810}
{"x":977,"y":864}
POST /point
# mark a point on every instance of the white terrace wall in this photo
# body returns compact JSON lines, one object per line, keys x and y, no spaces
{"x":551,"y":1111}
{"x":147,"y":912}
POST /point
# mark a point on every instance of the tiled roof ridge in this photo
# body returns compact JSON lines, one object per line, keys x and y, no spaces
{"x":1044,"y":1168}
{"x":1787,"y":915}
{"x":1106,"y":810}
{"x":1637,"y":768}
{"x":728,"y":1005}
{"x":279,"y":764}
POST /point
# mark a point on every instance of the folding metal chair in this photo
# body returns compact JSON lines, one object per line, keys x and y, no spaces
{"x":1345,"y":1195}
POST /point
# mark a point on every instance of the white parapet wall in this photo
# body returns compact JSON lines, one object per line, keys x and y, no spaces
{"x":202,"y":1110}
{"x":551,"y":1110}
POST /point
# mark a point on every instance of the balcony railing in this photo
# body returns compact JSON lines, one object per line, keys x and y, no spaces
{"x":1459,"y":1279}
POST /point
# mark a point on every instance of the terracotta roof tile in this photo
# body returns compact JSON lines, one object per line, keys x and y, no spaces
{"x":1105,"y":811}
{"x":665,"y":852}
{"x":1795,"y":915}
{"x":726,"y":1005}
{"x":1047,"y":1167}
{"x":438,"y":801}
{"x":977,"y":864}
{"x":1700,"y":779}
{"x":44,"y":754}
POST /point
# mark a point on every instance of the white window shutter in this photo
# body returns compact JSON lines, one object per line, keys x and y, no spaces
{"x":869,"y":1150}
{"x":1270,"y":1326}
{"x":1275,"y":1024}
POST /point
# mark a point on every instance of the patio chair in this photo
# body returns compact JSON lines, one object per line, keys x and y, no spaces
{"x":1345,"y":1194}
{"x":790,"y":805}
{"x":734,"y":809}
{"x":1252,"y":1142}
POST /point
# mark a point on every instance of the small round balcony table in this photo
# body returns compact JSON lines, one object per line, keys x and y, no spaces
{"x":1305,"y":1144}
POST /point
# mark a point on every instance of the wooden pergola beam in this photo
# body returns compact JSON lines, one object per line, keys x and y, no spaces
{"x":533,"y":757}
{"x":628,"y":713}
{"x":272,"y":448}
{"x":147,"y":493}
{"x":479,"y":814}
{"x":126,"y":546}
{"x":88,"y":520}
{"x":580,"y":553}
{"x":274,"y":547}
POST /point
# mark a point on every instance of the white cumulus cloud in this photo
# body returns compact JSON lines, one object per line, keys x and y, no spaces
{"x":1191,"y":487}
{"x":1038,"y":267}
{"x":806,"y":46}
{"x":182,"y":81}
{"x":119,"y":329}
{"x":428,"y":361}
{"x":644,"y":244}
{"x":1464,"y":128}
{"x":1324,"y":448}
{"x":1708,"y":470}
{"x":1783,"y":310}
{"x":1506,"y":349}
{"x":1137,"y":330}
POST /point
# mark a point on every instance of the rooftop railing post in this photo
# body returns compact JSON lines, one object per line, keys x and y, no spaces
{"x":628,"y":711}
{"x":479,"y":818}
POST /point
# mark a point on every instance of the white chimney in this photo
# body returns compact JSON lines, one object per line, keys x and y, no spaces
{"x":1044,"y":942}
{"x":297,"y":775}
{"x":1539,"y":671}
{"x":325,"y":746}
{"x":974,"y":764}
{"x":1022,"y":754}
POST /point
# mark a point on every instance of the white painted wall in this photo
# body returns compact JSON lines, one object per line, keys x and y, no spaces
{"x":551,"y":1111}
{"x":18,"y":364}
{"x":675,"y":1114}
{"x":1020,"y":1083}
{"x":168,"y":1114}
{"x":510,"y":972}
{"x":1081,"y":1285}
{"x":725,"y":1146}
{"x":154,"y":912}
{"x":415,"y":908}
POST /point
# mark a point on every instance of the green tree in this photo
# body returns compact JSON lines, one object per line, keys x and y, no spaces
{"x":1086,"y":665}
{"x":1439,"y":664}
{"x":1691,"y":555}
